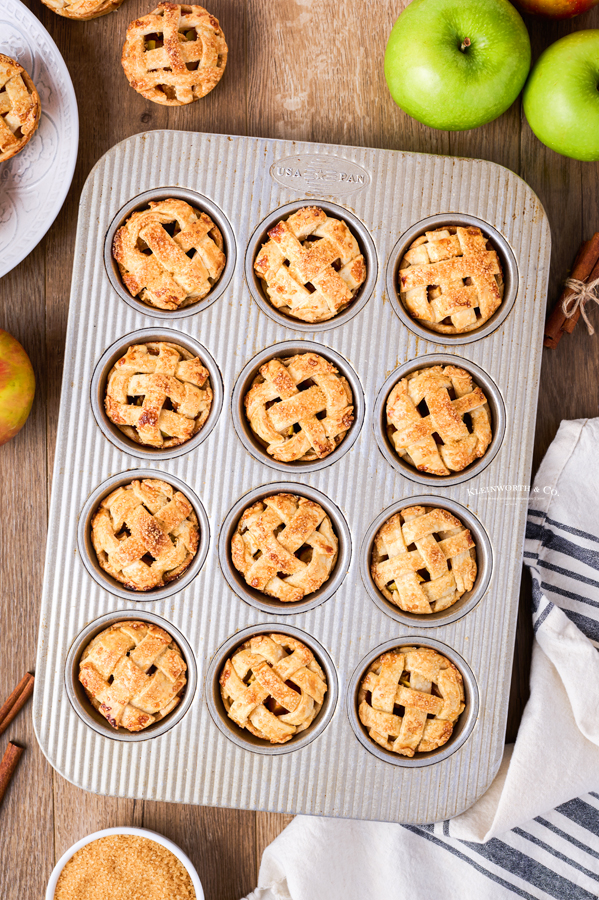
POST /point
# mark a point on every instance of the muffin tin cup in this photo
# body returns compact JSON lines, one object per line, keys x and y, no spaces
{"x":88,"y":554}
{"x":198,"y":201}
{"x":496,"y":409}
{"x":241,"y":736}
{"x":360,"y":232}
{"x":463,"y":728}
{"x":260,"y":600}
{"x":252,"y":442}
{"x":100,"y":378}
{"x":82,"y":705}
{"x":467,"y":602}
{"x":506,"y":258}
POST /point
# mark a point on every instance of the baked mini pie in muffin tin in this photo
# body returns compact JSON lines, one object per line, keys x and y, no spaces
{"x":158,"y":394}
{"x":300,"y":407}
{"x":20,"y":108}
{"x":174,"y":55}
{"x":133,"y":673}
{"x":145,"y":534}
{"x":311,"y":267}
{"x":410,"y":699}
{"x":438,"y":420}
{"x":273,"y":686}
{"x":82,"y":9}
{"x":170,"y":255}
{"x":451,"y":280}
{"x":285,"y":546}
{"x":423,"y":559}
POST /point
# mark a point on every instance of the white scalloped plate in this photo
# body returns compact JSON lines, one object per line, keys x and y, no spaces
{"x":35,"y":182}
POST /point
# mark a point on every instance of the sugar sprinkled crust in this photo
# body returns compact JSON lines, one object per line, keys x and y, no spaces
{"x":124,"y":867}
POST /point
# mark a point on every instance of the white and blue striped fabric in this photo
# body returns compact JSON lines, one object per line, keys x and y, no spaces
{"x":535,"y":833}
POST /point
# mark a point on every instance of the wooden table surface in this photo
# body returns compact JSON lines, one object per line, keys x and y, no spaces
{"x":305,"y":69}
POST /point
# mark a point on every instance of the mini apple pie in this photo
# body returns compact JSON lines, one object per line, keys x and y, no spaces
{"x":285,"y":546}
{"x":438,"y":420}
{"x":169,"y":255}
{"x":20,"y":108}
{"x":410,"y":700}
{"x":83,"y":9}
{"x":312,"y":266}
{"x":158,"y":394}
{"x":450,"y":279}
{"x":273,"y":686}
{"x":133,"y":674}
{"x":423,"y":559}
{"x":175,"y":54}
{"x":145,"y":534}
{"x":300,"y":407}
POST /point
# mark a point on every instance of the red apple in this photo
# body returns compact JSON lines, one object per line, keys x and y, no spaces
{"x":17,"y":386}
{"x":556,"y":9}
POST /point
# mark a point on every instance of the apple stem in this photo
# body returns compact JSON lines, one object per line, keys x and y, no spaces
{"x":465,"y":44}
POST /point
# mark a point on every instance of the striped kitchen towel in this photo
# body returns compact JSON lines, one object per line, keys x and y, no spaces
{"x":535,"y":833}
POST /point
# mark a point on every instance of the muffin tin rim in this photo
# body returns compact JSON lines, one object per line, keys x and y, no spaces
{"x":484,"y":563}
{"x":235,"y":579}
{"x":98,"y":387}
{"x":88,"y":555}
{"x":365,"y":241}
{"x":511,"y":274}
{"x":236,"y":734}
{"x":469,"y":716}
{"x":290,"y":348}
{"x":74,"y":688}
{"x":197,"y":201}
{"x":495,"y":403}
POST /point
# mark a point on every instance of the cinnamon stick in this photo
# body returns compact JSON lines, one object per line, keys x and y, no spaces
{"x":584,"y":265}
{"x":570,"y":323}
{"x":17,"y":700}
{"x":8,"y":765}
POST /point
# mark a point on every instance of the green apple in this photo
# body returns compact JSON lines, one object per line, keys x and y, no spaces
{"x":17,"y":386}
{"x":456,"y":64}
{"x":561,"y":99}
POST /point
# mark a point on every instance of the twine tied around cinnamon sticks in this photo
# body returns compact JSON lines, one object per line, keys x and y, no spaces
{"x":581,"y":288}
{"x":575,"y":303}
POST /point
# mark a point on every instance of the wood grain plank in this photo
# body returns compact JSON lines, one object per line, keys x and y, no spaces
{"x":26,"y":814}
{"x":268,"y":827}
{"x":220,"y":842}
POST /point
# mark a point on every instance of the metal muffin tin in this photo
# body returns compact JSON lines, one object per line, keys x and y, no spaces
{"x":387,"y":198}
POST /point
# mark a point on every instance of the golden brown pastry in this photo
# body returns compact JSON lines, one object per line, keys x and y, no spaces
{"x":145,"y":534}
{"x":285,"y":546}
{"x":273,"y":686}
{"x":312,"y":266}
{"x":133,"y":673}
{"x":20,"y":108}
{"x":450,"y":279}
{"x":175,"y":55}
{"x":438,"y":420}
{"x":169,"y":255}
{"x":286,"y":402}
{"x":433,"y":575}
{"x":410,"y":700}
{"x":158,"y":394}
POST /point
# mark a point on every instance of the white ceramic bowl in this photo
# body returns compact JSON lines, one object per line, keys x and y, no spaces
{"x":141,"y":832}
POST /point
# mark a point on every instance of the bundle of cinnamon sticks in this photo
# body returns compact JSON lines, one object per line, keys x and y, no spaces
{"x":586,"y":270}
{"x":8,"y":711}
